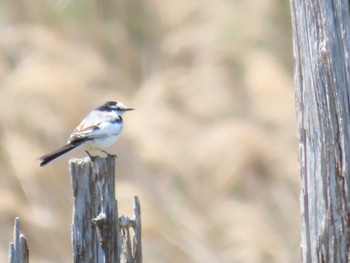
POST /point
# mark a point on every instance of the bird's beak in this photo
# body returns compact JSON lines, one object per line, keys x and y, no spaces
{"x":128,"y":109}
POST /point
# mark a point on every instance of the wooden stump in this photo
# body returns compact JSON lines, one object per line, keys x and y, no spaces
{"x":98,"y":235}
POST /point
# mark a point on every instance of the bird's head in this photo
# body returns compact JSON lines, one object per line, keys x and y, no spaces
{"x":119,"y":107}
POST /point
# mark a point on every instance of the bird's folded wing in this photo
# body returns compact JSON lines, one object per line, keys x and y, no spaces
{"x":84,"y":132}
{"x":89,"y":128}
{"x":99,"y":130}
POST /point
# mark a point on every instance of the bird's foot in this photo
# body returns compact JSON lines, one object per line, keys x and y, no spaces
{"x":113,"y":155}
{"x":92,"y":158}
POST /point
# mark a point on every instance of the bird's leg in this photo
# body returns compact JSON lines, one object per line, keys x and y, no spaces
{"x":92,"y":158}
{"x":113,"y":155}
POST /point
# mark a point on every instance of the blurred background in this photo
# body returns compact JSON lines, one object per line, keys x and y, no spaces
{"x":211,"y":148}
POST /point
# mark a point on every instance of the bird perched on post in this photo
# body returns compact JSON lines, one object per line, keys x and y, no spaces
{"x":97,"y":131}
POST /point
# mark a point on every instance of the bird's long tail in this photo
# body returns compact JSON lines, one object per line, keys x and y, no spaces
{"x":45,"y":159}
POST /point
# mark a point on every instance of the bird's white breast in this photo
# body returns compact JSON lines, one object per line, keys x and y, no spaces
{"x":101,"y":143}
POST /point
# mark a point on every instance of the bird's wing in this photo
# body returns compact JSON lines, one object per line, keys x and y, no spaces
{"x":84,"y":132}
{"x":90,"y":129}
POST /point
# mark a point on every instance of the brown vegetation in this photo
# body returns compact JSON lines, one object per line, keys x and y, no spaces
{"x":210,"y":150}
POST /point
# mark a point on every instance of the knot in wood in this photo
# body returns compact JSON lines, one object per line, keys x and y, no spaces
{"x":99,"y":220}
{"x":125,"y":222}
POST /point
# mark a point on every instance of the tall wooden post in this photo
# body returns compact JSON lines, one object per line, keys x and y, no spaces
{"x":97,"y":232}
{"x":321,"y":37}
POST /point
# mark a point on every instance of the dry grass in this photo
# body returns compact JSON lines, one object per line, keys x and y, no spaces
{"x":210,"y":150}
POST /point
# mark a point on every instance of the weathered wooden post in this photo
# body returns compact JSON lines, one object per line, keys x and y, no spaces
{"x":97,"y":235}
{"x":18,"y":252}
{"x":321,"y":38}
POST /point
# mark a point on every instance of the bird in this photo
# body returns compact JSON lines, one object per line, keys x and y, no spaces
{"x":97,"y":131}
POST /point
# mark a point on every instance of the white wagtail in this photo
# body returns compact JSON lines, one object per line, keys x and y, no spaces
{"x":97,"y":131}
